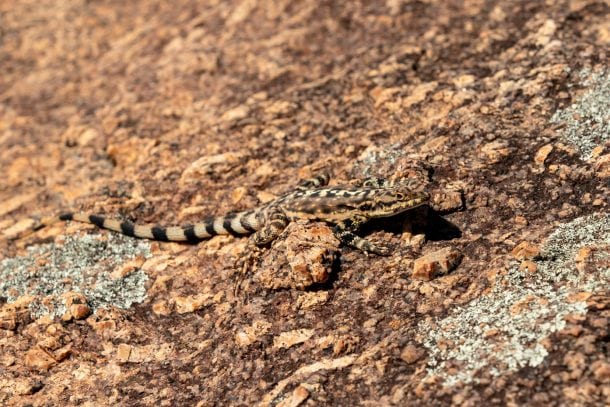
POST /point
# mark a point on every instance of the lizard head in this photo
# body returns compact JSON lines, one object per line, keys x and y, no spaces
{"x":392,"y":201}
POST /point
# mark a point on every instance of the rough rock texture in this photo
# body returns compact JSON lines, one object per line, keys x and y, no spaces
{"x":170,"y":111}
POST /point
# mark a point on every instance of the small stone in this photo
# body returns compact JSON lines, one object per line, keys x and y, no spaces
{"x":208,"y":164}
{"x":291,"y":338}
{"x":76,"y":303}
{"x":264,"y":170}
{"x":446,"y":201}
{"x":411,"y":353}
{"x":280,"y":108}
{"x":463,"y":81}
{"x":601,"y":371}
{"x":26,"y":387}
{"x":495,"y":151}
{"x":529,"y":266}
{"x":309,"y":300}
{"x":576,"y":363}
{"x":235,"y":114}
{"x":437,"y":263}
{"x":123,"y":352}
{"x":192,"y":303}
{"x":298,"y":396}
{"x":38,"y":358}
{"x":435,"y":144}
{"x":126,"y":154}
{"x":592,"y":257}
{"x":602,"y":166}
{"x":526,"y":303}
{"x":491,"y":333}
{"x":14,"y":203}
{"x":521,"y":220}
{"x":18,"y":228}
{"x":16,"y":313}
{"x":525,"y":250}
{"x":80,"y":311}
{"x":542,"y":154}
{"x":305,"y":257}
{"x":252,"y":333}
{"x":238,"y":194}
{"x":161,"y":308}
{"x":601,"y":323}
{"x":128,"y":267}
{"x":339,"y":347}
{"x":87,"y":136}
{"x":572,"y":330}
{"x":578,"y":297}
{"x":62,"y":353}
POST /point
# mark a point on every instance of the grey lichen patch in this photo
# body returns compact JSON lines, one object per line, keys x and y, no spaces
{"x":587,"y":121}
{"x":503,"y":331}
{"x":82,"y":264}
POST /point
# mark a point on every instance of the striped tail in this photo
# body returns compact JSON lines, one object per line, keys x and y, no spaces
{"x":237,"y":224}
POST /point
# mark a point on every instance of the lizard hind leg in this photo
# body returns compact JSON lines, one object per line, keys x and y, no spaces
{"x":274,"y":223}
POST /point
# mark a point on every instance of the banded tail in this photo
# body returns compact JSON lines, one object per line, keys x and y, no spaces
{"x":241,"y":223}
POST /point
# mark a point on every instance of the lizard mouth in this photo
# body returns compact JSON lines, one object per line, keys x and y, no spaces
{"x":405,"y":206}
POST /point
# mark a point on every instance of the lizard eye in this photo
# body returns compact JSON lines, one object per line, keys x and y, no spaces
{"x":400,"y":196}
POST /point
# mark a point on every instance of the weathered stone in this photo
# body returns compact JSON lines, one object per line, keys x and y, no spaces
{"x":435,"y":264}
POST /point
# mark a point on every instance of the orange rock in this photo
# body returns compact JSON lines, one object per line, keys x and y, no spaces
{"x":437,"y":263}
{"x":80,"y":311}
{"x":572,"y":330}
{"x":411,"y":353}
{"x":542,"y":154}
{"x":592,"y":257}
{"x":602,"y":166}
{"x":309,"y":300}
{"x":40,"y":359}
{"x":15,"y":202}
{"x":525,"y":250}
{"x":601,"y":371}
{"x":291,"y":338}
{"x":76,"y":303}
{"x":495,"y":151}
{"x":491,"y":332}
{"x":15,"y":314}
{"x":192,"y":303}
{"x":252,"y":333}
{"x":123,"y":352}
{"x":237,"y":113}
{"x":303,"y":258}
{"x":127,"y":268}
{"x":446,"y":201}
{"x":524,"y":304}
{"x":128,"y":153}
{"x":19,"y":228}
{"x":578,"y":297}
{"x":529,"y":266}
{"x":161,"y":308}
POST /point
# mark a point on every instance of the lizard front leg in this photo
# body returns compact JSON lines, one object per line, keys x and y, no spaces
{"x":377,"y":182}
{"x":319,"y":180}
{"x":344,"y":231}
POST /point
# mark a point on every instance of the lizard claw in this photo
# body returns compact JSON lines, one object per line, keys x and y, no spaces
{"x":245,"y":265}
{"x":382,"y":250}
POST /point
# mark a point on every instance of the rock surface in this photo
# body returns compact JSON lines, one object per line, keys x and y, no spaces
{"x":170,"y":111}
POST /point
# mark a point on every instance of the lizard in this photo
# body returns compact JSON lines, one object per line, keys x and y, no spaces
{"x":344,"y":206}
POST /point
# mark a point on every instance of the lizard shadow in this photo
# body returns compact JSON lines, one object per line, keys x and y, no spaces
{"x":424,"y":220}
{"x":439,"y":228}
